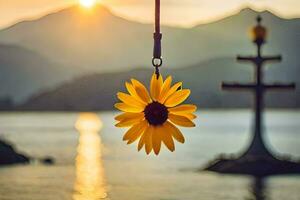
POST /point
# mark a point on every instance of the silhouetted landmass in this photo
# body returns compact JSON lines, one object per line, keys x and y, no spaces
{"x":255,"y":166}
{"x":8,"y":155}
{"x":72,"y":43}
{"x":98,"y":91}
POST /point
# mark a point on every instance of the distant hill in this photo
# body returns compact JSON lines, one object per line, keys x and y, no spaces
{"x":99,"y":42}
{"x":102,"y":42}
{"x":24,"y":72}
{"x":84,"y":40}
{"x":97,"y":92}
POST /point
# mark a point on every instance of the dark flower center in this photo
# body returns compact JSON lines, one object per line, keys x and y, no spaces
{"x":156,"y":113}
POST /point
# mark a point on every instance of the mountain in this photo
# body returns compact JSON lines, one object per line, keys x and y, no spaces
{"x":96,"y":42}
{"x":84,"y":39}
{"x":98,"y":91}
{"x":24,"y":72}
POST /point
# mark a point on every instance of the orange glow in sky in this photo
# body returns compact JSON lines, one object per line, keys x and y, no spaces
{"x":174,"y":12}
{"x":87,"y":3}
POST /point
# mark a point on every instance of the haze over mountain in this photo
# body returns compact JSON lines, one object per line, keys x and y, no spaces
{"x":24,"y":72}
{"x":97,"y":42}
{"x":98,"y":91}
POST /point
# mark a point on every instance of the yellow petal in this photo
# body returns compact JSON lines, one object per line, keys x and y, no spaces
{"x":177,"y":98}
{"x":186,"y":108}
{"x":191,"y":116}
{"x":155,"y":86}
{"x":141,"y":90}
{"x":130,"y":88}
{"x":128,"y":108}
{"x":165,"y":88}
{"x":167,"y":139}
{"x":142,"y":141}
{"x":135,"y":132}
{"x":176,"y":133}
{"x":181,"y":120}
{"x":126,"y":98}
{"x":157,"y":138}
{"x":173,"y":89}
{"x":130,"y":121}
{"x":148,"y":139}
{"x":126,"y":116}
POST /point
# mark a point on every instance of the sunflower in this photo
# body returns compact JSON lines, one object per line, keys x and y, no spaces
{"x":152,"y":117}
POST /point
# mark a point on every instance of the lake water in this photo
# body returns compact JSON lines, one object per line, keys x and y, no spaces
{"x":91,"y":166}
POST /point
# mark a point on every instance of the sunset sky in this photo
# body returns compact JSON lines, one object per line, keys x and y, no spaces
{"x":175,"y":12}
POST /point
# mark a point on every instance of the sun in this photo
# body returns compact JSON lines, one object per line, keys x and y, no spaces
{"x":87,"y":3}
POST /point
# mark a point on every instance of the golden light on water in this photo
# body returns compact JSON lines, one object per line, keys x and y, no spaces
{"x":90,"y":180}
{"x":87,"y":3}
{"x":88,"y":122}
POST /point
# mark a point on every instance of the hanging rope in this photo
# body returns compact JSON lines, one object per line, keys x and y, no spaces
{"x":157,"y":36}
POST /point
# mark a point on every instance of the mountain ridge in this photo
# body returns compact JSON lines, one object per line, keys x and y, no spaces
{"x":103,"y":43}
{"x":243,"y":9}
{"x":98,"y":92}
{"x":90,"y":54}
{"x":33,"y":72}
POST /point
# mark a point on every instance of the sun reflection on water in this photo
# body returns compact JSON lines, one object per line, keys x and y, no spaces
{"x":90,"y":181}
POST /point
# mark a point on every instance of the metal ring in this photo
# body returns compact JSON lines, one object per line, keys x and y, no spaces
{"x":157,"y":62}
